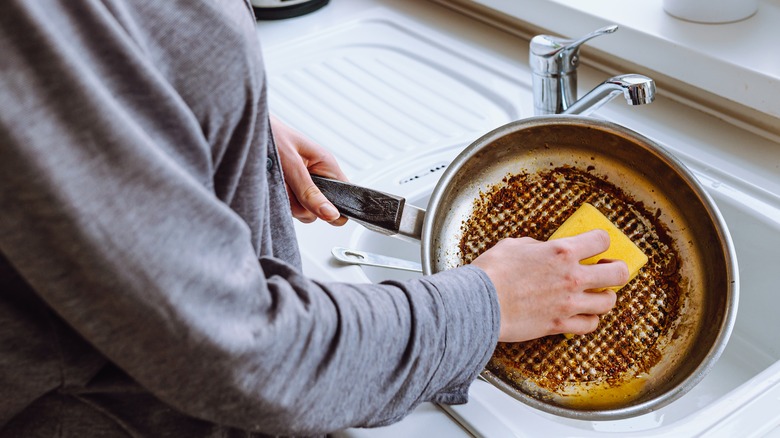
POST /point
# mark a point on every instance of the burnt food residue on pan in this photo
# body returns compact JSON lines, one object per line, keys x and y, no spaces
{"x":627,"y":343}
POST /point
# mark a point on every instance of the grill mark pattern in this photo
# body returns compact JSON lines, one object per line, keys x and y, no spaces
{"x":626,"y":343}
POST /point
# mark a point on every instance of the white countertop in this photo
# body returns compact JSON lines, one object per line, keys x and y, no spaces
{"x":738,"y":61}
{"x":720,"y":147}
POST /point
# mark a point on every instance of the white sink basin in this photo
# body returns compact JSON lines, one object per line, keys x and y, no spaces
{"x":319,"y":84}
{"x":753,"y":346}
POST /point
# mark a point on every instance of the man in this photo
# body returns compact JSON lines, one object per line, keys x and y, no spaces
{"x":150,"y":278}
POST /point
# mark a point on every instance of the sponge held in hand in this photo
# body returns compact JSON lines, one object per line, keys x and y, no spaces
{"x":586,"y":218}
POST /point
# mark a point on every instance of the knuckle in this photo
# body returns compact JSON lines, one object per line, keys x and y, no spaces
{"x":572,"y":282}
{"x":587,"y":324}
{"x":624,"y":274}
{"x":563,"y":250}
{"x":501,"y":243}
{"x":310,"y":193}
{"x":568,"y":305}
{"x":557,"y":325}
{"x":612,"y":299}
{"x":506,"y":244}
{"x":602,"y":238}
{"x":594,"y":324}
{"x":606,"y":301}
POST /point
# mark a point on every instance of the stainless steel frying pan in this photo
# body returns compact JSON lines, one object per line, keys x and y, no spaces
{"x":639,"y":167}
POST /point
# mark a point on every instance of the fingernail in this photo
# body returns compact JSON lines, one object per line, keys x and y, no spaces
{"x":329,"y":212}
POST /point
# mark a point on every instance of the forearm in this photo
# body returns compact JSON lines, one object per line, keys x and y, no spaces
{"x":257,"y":345}
{"x":114,"y":211}
{"x":160,"y":276}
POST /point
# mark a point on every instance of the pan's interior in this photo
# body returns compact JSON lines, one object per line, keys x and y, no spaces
{"x":649,"y":176}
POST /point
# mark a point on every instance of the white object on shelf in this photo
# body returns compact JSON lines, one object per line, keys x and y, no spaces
{"x":711,"y":11}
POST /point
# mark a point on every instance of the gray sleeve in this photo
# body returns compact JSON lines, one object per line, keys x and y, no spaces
{"x":143,"y":260}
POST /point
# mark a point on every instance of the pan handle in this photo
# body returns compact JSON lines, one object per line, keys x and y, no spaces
{"x":378,"y":211}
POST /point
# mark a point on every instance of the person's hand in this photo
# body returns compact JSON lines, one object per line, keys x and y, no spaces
{"x":300,"y":157}
{"x":544,"y":290}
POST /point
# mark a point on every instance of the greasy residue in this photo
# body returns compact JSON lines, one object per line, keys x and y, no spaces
{"x":627,"y":342}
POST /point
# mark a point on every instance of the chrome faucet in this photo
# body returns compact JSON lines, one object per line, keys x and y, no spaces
{"x":554,"y":63}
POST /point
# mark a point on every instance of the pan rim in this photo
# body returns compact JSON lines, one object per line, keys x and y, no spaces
{"x":436,"y":208}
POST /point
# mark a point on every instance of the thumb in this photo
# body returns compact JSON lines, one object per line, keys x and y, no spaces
{"x":312,"y":199}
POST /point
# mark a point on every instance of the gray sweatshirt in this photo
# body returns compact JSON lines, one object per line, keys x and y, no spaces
{"x":150,"y":280}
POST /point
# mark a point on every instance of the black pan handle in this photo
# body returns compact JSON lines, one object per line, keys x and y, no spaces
{"x":376,"y":210}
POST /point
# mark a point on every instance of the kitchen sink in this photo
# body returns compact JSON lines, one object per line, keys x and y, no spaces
{"x":461,"y":79}
{"x":753,"y":347}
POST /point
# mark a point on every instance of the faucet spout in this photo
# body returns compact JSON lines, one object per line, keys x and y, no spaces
{"x":637,"y":90}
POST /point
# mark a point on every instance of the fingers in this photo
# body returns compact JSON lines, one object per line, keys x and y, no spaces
{"x":588,"y":243}
{"x":607,"y":273}
{"x":581,"y":324}
{"x":323,"y":163}
{"x":299,"y":157}
{"x":308,"y":203}
{"x":311,"y":203}
{"x":298,"y":211}
{"x":544,"y":289}
{"x":595,"y":302}
{"x":590,"y":305}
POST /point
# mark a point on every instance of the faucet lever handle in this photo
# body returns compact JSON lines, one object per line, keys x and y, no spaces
{"x":574,"y":45}
{"x":553,"y":55}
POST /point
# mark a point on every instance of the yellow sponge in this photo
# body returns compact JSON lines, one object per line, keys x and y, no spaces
{"x":587,"y":218}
